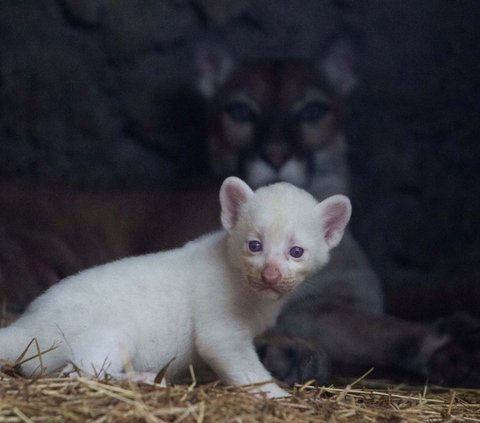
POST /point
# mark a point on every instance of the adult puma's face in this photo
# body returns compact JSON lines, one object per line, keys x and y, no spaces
{"x":268,"y":121}
{"x":278,"y":120}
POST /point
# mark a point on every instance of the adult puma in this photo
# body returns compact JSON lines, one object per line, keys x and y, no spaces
{"x":282,"y":120}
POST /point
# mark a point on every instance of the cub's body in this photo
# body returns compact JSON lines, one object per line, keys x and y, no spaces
{"x":200,"y":304}
{"x":148,"y":299}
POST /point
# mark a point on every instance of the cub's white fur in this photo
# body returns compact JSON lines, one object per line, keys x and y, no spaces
{"x":201,"y":304}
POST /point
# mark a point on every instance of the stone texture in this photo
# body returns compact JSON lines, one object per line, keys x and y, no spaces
{"x":134,"y":28}
{"x":84,"y":12}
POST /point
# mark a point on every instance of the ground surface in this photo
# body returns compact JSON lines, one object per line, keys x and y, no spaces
{"x":83,"y":400}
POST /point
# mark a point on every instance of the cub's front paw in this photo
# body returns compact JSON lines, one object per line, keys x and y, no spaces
{"x":271,"y":389}
{"x":457,"y":362}
{"x":293,"y":360}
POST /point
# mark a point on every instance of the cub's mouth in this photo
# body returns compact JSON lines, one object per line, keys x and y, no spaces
{"x":273,"y":290}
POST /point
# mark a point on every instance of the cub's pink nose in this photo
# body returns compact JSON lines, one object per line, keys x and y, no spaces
{"x":271,"y":275}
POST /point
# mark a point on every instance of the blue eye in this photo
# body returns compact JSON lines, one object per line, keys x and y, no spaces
{"x":255,"y":246}
{"x":296,"y":252}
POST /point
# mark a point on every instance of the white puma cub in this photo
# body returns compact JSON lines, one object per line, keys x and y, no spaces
{"x":202,"y":303}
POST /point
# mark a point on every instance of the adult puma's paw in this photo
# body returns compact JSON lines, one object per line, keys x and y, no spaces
{"x":457,"y":362}
{"x":293,"y":360}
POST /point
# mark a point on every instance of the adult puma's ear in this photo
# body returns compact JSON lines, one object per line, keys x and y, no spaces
{"x":233,"y":194}
{"x":214,"y":63}
{"x":334,"y":213}
{"x":338,"y":64}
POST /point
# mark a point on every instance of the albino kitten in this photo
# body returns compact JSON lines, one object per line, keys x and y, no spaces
{"x":203,"y":303}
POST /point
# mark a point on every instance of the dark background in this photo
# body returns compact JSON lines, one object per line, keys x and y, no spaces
{"x":99,"y":94}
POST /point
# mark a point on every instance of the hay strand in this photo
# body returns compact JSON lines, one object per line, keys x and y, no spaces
{"x":87,"y":400}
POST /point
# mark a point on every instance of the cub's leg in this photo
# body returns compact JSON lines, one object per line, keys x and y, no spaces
{"x":237,"y":363}
{"x":100,"y":352}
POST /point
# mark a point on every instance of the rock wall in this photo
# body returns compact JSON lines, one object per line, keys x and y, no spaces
{"x":98,"y":93}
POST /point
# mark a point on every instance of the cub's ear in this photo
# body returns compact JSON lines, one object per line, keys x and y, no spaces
{"x":334,"y":213}
{"x":338,"y":64}
{"x":233,"y":194}
{"x":214,"y":63}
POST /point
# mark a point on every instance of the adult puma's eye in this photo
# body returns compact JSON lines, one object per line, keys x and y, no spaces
{"x":296,"y":252}
{"x":255,"y":246}
{"x":240,"y":112}
{"x":312,"y":112}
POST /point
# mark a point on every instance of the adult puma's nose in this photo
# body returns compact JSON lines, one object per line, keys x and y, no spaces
{"x":271,"y":275}
{"x":277,"y":154}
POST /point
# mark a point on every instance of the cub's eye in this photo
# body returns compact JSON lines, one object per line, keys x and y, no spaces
{"x":240,"y":112}
{"x":255,"y":246}
{"x":312,"y":112}
{"x":296,"y":252}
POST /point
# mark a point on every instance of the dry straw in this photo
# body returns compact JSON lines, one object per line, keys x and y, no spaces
{"x":100,"y":401}
{"x":87,"y":400}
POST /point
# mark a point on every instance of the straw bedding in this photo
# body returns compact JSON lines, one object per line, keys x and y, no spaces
{"x":87,"y":400}
{"x":360,"y":400}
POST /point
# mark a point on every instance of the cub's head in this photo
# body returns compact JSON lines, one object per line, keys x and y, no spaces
{"x":279,"y":235}
{"x":278,"y":120}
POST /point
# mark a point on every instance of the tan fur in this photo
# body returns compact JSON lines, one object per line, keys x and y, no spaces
{"x":295,"y":86}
